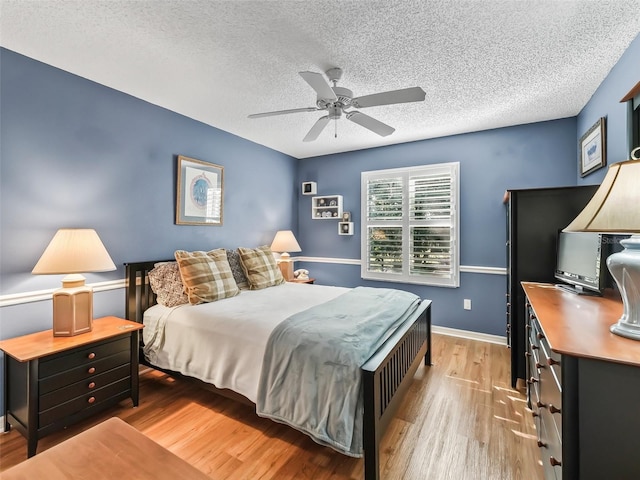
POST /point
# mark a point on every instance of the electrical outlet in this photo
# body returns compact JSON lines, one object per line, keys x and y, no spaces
{"x":467,"y":304}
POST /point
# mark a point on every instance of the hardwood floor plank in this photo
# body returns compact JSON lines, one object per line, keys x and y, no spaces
{"x":460,"y":419}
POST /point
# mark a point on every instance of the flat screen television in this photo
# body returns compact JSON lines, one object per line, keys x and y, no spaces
{"x":581,"y":262}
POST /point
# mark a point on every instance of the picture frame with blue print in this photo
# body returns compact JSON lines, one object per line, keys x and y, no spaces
{"x":200,"y":192}
{"x":593,"y":151}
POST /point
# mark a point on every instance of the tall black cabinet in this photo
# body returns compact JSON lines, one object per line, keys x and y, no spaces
{"x":534,"y":217}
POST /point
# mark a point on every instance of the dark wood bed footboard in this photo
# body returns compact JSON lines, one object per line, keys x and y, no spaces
{"x":386,"y":376}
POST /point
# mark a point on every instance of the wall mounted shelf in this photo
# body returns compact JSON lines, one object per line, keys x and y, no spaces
{"x":328,"y":207}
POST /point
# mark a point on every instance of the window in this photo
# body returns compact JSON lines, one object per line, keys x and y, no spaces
{"x":410,"y":225}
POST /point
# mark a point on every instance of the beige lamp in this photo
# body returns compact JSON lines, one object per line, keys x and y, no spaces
{"x":285,"y":242}
{"x":615,"y":208}
{"x":72,"y":252}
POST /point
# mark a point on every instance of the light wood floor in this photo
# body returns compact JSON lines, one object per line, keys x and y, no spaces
{"x":461,"y":420}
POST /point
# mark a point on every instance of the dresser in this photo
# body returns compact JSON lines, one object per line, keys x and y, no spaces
{"x":52,"y":382}
{"x":583,"y":385}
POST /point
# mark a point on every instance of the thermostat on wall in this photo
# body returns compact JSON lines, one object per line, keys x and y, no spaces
{"x":309,"y":188}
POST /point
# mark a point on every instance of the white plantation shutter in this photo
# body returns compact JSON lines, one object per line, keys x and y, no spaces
{"x":410,"y":225}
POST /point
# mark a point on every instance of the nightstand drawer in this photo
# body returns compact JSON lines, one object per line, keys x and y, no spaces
{"x":84,"y":401}
{"x":83,"y":372}
{"x":81,"y":356}
{"x":89,"y":385}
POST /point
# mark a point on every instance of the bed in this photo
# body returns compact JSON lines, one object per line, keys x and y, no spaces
{"x":385,"y":375}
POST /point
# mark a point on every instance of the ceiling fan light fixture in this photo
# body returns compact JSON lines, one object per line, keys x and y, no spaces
{"x":336,"y":99}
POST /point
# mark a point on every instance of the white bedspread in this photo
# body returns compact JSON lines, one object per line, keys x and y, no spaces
{"x":223,"y":342}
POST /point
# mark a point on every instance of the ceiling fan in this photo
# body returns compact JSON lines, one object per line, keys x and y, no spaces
{"x":337,"y":100}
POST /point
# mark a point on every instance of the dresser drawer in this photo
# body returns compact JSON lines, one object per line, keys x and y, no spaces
{"x":550,"y":447}
{"x":62,"y":395}
{"x":56,"y":364}
{"x":84,"y":401}
{"x":83,"y":372}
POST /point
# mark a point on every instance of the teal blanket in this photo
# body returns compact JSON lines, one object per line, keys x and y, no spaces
{"x":311,"y":377}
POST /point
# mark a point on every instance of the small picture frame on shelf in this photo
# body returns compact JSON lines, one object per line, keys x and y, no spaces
{"x":345,"y":228}
{"x":309,"y":188}
{"x":346,"y":216}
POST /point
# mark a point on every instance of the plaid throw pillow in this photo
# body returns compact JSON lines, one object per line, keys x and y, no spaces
{"x":260,"y":267}
{"x":166,"y":283}
{"x":206,"y":276}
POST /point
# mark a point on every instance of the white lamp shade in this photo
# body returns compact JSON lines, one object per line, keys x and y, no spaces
{"x":285,"y":241}
{"x":74,"y":251}
{"x":615,"y":207}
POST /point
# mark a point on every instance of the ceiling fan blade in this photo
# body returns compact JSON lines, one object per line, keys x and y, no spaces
{"x":320,"y":85}
{"x":316,"y":129}
{"x":283,"y":112}
{"x":406,"y":95}
{"x":376,"y":126}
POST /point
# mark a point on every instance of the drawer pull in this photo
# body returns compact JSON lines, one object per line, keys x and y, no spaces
{"x":553,"y":409}
{"x":92,"y":385}
{"x":539,"y":404}
{"x":532,"y":380}
{"x":527,"y":354}
{"x":554,"y":462}
{"x":541,"y":444}
{"x":92,"y":370}
{"x":540,"y":366}
{"x":91,"y":356}
{"x":540,"y":336}
{"x":91,"y":399}
{"x":551,"y":361}
{"x":534,"y":347}
{"x":535,"y":414}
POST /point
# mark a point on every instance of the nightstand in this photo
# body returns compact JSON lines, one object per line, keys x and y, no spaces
{"x":297,"y":280}
{"x":52,"y":382}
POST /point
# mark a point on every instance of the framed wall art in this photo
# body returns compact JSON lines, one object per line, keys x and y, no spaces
{"x":199,"y":192}
{"x":593,"y":150}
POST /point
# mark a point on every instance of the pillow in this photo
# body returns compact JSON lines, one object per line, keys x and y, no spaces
{"x":166,"y":283}
{"x":236,"y":269}
{"x":206,"y":276}
{"x":260,"y":267}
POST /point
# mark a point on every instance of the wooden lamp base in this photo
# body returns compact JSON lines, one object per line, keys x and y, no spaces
{"x":286,"y":268}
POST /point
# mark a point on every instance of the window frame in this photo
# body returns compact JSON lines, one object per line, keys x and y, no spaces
{"x":451,"y":170}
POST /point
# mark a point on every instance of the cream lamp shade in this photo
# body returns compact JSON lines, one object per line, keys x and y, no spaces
{"x":72,"y":252}
{"x":615,"y":208}
{"x":285,"y":242}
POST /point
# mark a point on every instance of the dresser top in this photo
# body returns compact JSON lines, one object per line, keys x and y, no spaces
{"x":41,"y":344}
{"x":578,"y":325}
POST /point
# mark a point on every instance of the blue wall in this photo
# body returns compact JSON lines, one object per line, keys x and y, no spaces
{"x":77,"y":154}
{"x":605,"y":102}
{"x":534,"y":155}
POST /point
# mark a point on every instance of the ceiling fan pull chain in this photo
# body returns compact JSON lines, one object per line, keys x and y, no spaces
{"x":336,"y":131}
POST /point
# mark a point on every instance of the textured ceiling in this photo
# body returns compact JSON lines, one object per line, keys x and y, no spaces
{"x":483,"y":64}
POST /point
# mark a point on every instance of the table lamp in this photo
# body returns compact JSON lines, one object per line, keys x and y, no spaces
{"x":615,"y":208}
{"x":72,"y":252}
{"x":285,"y":242}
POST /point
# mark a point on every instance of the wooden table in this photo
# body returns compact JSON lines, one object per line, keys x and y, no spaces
{"x":110,"y":450}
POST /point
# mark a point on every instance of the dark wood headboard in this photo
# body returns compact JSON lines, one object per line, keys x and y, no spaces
{"x":139,"y":295}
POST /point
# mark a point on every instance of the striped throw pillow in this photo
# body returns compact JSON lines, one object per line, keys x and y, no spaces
{"x":206,"y":276}
{"x":260,"y":267}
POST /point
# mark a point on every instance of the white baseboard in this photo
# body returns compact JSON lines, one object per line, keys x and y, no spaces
{"x":481,"y":337}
